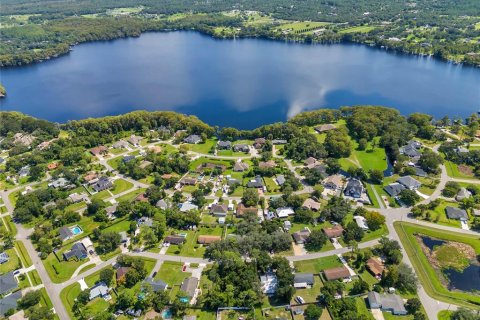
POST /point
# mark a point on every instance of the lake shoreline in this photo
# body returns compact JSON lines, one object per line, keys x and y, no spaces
{"x":260,"y":37}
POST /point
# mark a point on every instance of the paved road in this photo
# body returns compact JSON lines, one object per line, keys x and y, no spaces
{"x":431,"y":305}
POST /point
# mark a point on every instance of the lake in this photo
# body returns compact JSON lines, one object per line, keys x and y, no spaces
{"x":243,"y":83}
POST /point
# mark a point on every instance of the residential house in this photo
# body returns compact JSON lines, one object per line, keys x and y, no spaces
{"x":324,"y":128}
{"x":188,"y":206}
{"x":122,"y":144}
{"x":287,"y":225}
{"x":409,"y":182}
{"x":411,"y":150}
{"x":162,"y":204}
{"x":311,"y":204}
{"x":98,"y":151}
{"x":77,"y":197}
{"x":338,"y":273}
{"x":188,"y":181}
{"x":219,"y":210}
{"x":387,"y":302}
{"x":157,"y":285}
{"x":456,"y":213}
{"x":208,"y":239}
{"x":224,"y":145}
{"x":103,"y":183}
{"x":267,"y":164}
{"x":123,"y":236}
{"x":354,"y":188}
{"x":394,"y":189}
{"x":52,"y":166}
{"x":376,"y":267}
{"x":4,"y":257}
{"x":233,"y":182}
{"x":242,"y":210}
{"x":256,"y":183}
{"x":303,"y":280}
{"x":8,"y":283}
{"x":189,"y":285}
{"x":320,"y":168}
{"x":155,"y":149}
{"x":144,"y":164}
{"x":333,"y":232}
{"x":23,"y":138}
{"x":461,"y":149}
{"x":463,"y":194}
{"x":361,"y":222}
{"x":121,"y":273}
{"x":99,"y":290}
{"x":90,"y":177}
{"x":241,"y":148}
{"x":59,"y":183}
{"x":310,"y":161}
{"x":279,"y":141}
{"x":333,"y":182}
{"x":302,"y":235}
{"x":174,"y":239}
{"x":78,"y":251}
{"x":9,"y":303}
{"x":240,"y":166}
{"x":111,"y":210}
{"x":128,"y":158}
{"x":259,"y":142}
{"x":24,"y":171}
{"x":280,"y":179}
{"x":146,"y":221}
{"x":269,"y":283}
{"x":135,"y":140}
{"x":419,"y":172}
{"x":284,"y":212}
{"x":65,"y":233}
{"x":193,"y":139}
{"x":141,"y":198}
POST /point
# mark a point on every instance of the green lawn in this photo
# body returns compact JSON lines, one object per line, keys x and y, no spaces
{"x":452,"y":171}
{"x":12,"y":264}
{"x":68,"y":296}
{"x":122,"y":225}
{"x":102,"y":195}
{"x":359,"y":29}
{"x":131,"y":195}
{"x":120,"y":186}
{"x":60,"y":271}
{"x":370,"y":158}
{"x":445,"y":315}
{"x":26,"y":260}
{"x":204,"y":147}
{"x":35,"y":277}
{"x":86,"y":268}
{"x":317,"y":265}
{"x":171,"y":273}
{"x":425,"y":272}
{"x":190,"y":248}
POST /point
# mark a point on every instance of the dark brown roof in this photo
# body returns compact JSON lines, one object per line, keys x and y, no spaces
{"x":336,"y":273}
{"x":241,"y":210}
{"x":174,"y":239}
{"x":375,"y":266}
{"x":121,"y":272}
{"x":98,"y":150}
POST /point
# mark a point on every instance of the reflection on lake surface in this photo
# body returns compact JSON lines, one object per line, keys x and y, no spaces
{"x":242,"y":83}
{"x":431,"y":243}
{"x":467,"y":280}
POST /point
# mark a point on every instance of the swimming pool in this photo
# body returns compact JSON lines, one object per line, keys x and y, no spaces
{"x":167,"y":314}
{"x":76,"y":230}
{"x":184,"y":299}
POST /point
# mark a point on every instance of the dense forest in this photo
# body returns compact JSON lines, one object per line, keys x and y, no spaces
{"x":37,"y":30}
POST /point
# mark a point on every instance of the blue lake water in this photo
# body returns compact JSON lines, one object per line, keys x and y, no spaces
{"x":242,"y":83}
{"x":467,"y":280}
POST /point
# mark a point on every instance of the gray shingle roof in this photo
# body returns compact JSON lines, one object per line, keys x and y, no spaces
{"x":304,"y":278}
{"x":7,"y":283}
{"x":157,"y":285}
{"x":409,"y":182}
{"x":387,"y":302}
{"x":456,"y":213}
{"x":394,"y":189}
{"x":9,"y":302}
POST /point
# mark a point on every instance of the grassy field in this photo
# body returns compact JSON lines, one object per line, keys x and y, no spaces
{"x":171,"y":273}
{"x":370,"y":158}
{"x":204,"y":147}
{"x":12,"y":264}
{"x":452,"y":171}
{"x":425,"y":272}
{"x":35,"y":277}
{"x":359,"y":29}
{"x":131,"y":195}
{"x":120,"y":186}
{"x":445,"y":315}
{"x":64,"y":269}
{"x":26,"y":260}
{"x":317,"y":265}
{"x":190,"y":248}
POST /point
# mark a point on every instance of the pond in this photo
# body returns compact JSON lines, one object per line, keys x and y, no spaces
{"x":431,"y":243}
{"x":243,"y":83}
{"x":467,"y":280}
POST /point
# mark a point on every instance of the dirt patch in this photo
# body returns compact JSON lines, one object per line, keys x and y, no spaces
{"x":466,"y":170}
{"x":450,"y":254}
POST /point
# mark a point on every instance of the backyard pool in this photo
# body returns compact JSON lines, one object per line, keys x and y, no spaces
{"x":167,"y":314}
{"x":76,"y":230}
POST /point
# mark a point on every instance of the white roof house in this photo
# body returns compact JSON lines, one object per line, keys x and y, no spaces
{"x":284,"y":212}
{"x":100,"y":290}
{"x":361,"y":222}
